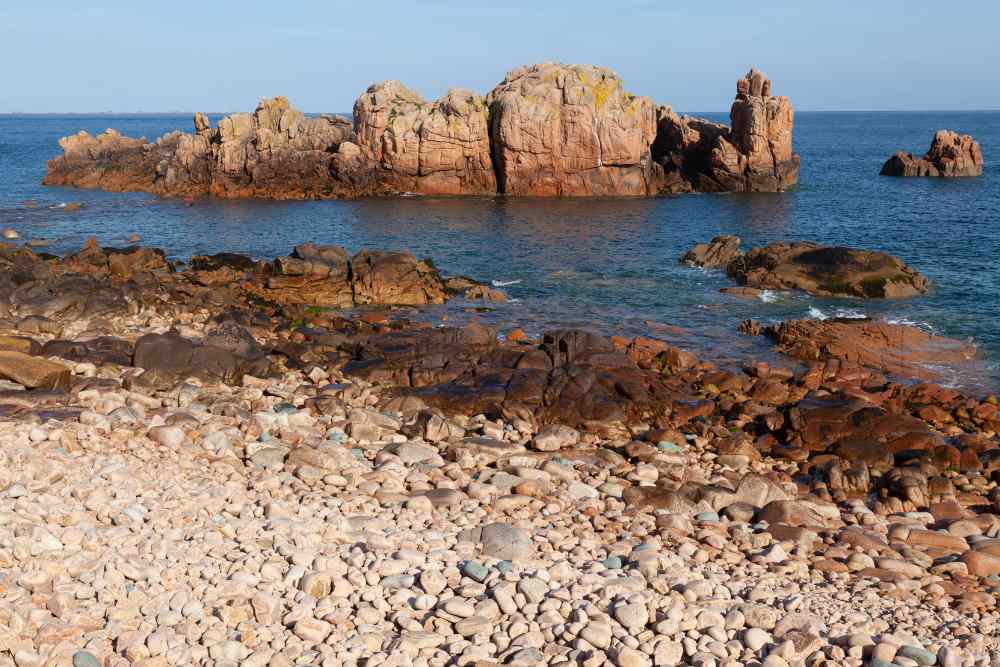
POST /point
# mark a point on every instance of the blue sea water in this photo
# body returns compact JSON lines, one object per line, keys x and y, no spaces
{"x":610,"y":264}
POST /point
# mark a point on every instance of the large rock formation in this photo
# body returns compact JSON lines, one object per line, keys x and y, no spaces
{"x":754,"y":155}
{"x":439,"y":148}
{"x":546,"y":130}
{"x":951,"y":155}
{"x":274,"y":153}
{"x":571,"y":130}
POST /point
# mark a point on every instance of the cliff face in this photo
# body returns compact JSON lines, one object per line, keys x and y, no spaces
{"x":545,"y":130}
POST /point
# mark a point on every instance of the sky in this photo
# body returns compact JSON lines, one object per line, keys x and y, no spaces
{"x":223,"y":55}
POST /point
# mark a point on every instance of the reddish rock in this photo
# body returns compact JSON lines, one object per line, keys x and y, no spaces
{"x":892,"y":348}
{"x":950,"y":155}
{"x":570,"y":130}
{"x":546,"y":130}
{"x":981,"y":564}
{"x":430,"y":148}
{"x":754,"y":155}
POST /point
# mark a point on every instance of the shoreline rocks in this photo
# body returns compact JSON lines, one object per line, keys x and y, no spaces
{"x":951,"y":155}
{"x":766,"y":516}
{"x":893,"y":348}
{"x":280,"y":483}
{"x":546,"y":130}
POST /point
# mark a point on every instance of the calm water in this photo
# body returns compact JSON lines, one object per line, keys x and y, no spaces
{"x":611,"y":263}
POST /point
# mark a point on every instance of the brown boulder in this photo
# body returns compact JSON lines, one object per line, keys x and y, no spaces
{"x":396,"y":278}
{"x":892,"y":348}
{"x":33,"y":372}
{"x":718,"y":252}
{"x":951,"y":155}
{"x":981,"y":564}
{"x":827,"y":271}
{"x":570,"y":130}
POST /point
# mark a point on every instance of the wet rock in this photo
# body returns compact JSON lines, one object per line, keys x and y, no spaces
{"x":893,"y":348}
{"x":718,"y":252}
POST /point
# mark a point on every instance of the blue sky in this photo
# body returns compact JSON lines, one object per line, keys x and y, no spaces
{"x":221,"y":55}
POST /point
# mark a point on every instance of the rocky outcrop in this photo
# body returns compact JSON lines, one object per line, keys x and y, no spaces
{"x":274,"y":153}
{"x":545,"y":130}
{"x":816,"y":269}
{"x":951,"y":155}
{"x":753,"y":155}
{"x":430,"y":148}
{"x":571,"y":130}
{"x":892,"y":348}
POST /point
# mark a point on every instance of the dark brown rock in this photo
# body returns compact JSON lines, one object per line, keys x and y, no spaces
{"x":718,"y":252}
{"x":827,"y":271}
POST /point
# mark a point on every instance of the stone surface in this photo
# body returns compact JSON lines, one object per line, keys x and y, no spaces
{"x":570,"y":130}
{"x":33,"y":372}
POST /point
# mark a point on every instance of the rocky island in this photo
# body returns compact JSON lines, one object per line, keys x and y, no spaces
{"x":545,"y":130}
{"x":951,"y":155}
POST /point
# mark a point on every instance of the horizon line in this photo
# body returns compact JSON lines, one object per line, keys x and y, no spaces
{"x":342,"y":113}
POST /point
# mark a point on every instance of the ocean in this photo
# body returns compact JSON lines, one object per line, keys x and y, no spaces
{"x":606,"y":264}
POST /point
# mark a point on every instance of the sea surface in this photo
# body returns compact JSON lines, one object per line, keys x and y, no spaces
{"x":607,"y":264}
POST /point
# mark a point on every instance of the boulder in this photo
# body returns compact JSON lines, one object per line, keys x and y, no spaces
{"x":169,"y":358}
{"x":827,"y":271}
{"x":396,"y":278}
{"x":33,"y":372}
{"x":951,"y":155}
{"x":561,"y":130}
{"x":718,"y":252}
